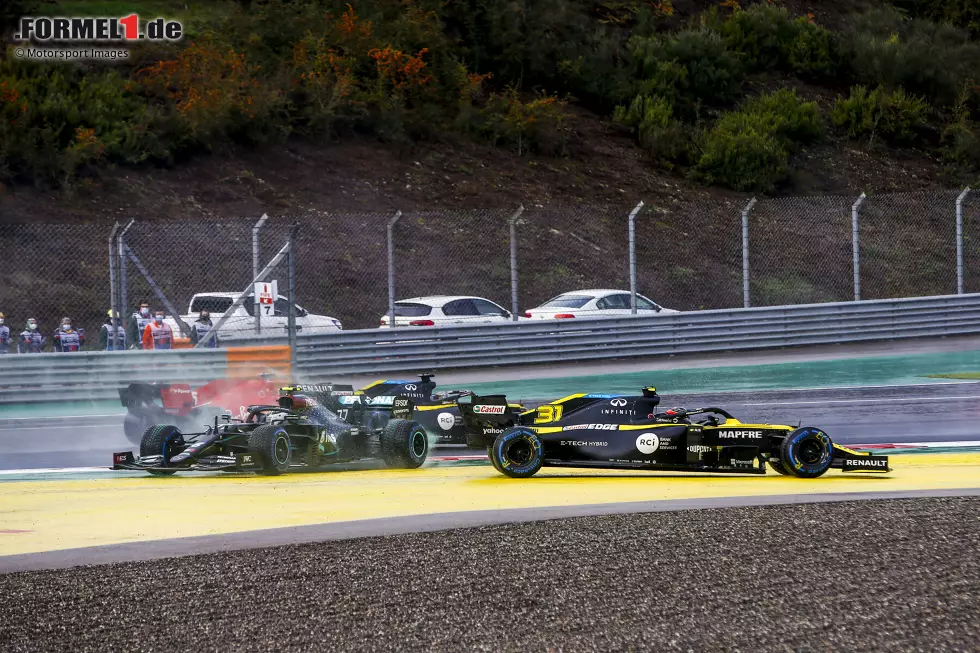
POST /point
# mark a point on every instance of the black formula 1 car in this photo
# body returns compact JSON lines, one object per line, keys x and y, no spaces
{"x":626,"y":432}
{"x":437,"y":412}
{"x":300,"y":431}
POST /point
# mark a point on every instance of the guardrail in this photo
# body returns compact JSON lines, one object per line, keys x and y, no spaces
{"x":99,"y":375}
{"x":573,"y":340}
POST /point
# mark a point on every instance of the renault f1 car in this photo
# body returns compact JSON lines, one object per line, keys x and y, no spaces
{"x":626,"y":432}
{"x":299,"y":431}
{"x":437,"y":412}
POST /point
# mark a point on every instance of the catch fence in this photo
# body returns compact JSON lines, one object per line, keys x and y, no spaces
{"x":693,"y":255}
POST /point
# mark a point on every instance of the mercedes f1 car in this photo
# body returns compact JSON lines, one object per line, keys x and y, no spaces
{"x":626,"y":432}
{"x":299,"y":431}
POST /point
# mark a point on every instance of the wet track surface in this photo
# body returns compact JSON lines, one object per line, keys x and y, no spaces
{"x":935,"y":412}
{"x":893,"y":575}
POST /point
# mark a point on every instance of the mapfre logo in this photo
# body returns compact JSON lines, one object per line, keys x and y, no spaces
{"x":647,"y":443}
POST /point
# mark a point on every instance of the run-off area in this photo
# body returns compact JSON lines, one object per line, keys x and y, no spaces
{"x":871,"y":575}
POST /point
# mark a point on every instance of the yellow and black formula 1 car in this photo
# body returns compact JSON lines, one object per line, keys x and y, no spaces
{"x":626,"y":432}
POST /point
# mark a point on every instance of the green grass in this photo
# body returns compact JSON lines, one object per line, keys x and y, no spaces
{"x":959,"y":375}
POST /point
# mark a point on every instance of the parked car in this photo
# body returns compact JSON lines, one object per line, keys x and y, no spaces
{"x":594,"y":303}
{"x":241,"y":323}
{"x":446,"y":310}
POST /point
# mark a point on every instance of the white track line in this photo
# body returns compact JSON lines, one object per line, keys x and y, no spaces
{"x":15,"y":419}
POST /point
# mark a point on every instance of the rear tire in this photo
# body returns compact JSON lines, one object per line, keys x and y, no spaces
{"x":165,"y":440}
{"x":271,"y":447}
{"x":404,"y":444}
{"x":134,"y":426}
{"x":806,"y":452}
{"x":517,"y":452}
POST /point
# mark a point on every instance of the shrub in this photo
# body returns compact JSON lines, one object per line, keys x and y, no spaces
{"x":895,"y":116}
{"x":960,"y":139}
{"x":56,"y":120}
{"x":537,"y":125}
{"x":652,"y":120}
{"x":749,"y":149}
{"x":767,"y":37}
{"x":691,"y":69}
{"x":926,"y":59}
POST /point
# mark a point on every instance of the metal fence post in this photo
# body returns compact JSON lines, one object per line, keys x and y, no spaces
{"x":292,"y":298}
{"x":856,"y":247}
{"x":391,"y":269}
{"x":513,"y":261}
{"x":959,"y":240}
{"x":255,"y":264}
{"x":746,"y":297}
{"x":123,"y":284}
{"x":632,"y":230}
{"x":113,"y":306}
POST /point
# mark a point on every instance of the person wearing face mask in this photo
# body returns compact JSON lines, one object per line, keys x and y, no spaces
{"x":138,"y":322}
{"x":31,"y":341}
{"x":4,"y":337}
{"x":200,"y":329}
{"x":68,"y":339}
{"x":106,"y":340}
{"x":158,"y":334}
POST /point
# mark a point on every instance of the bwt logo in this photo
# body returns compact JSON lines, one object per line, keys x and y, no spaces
{"x":617,"y":402}
{"x":73,"y":30}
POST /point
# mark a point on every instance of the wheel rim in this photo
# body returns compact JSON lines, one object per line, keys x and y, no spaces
{"x":520,"y":452}
{"x":419,"y":444}
{"x":281,"y":450}
{"x":811,"y":451}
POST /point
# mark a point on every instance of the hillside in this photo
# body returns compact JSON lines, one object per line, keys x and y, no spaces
{"x":497,"y":122}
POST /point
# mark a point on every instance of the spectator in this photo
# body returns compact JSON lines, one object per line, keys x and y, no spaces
{"x":31,"y":341}
{"x":138,"y":322}
{"x":106,"y":341}
{"x":4,"y":337}
{"x":68,"y":339}
{"x":200,"y":329}
{"x":158,"y":334}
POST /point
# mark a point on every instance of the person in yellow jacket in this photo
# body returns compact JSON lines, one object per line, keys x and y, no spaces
{"x":158,"y":334}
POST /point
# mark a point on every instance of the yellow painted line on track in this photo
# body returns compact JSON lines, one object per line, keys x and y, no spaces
{"x":37,"y":516}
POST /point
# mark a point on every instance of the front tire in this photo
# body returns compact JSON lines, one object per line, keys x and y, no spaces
{"x":806,"y":452}
{"x":271,"y":446}
{"x":517,"y":452}
{"x":404,"y":444}
{"x":162,"y":440}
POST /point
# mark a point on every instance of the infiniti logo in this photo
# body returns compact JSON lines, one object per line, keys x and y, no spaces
{"x":411,"y":386}
{"x":617,"y":402}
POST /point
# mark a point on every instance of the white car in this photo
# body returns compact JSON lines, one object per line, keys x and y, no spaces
{"x":446,"y":310}
{"x":240,"y":325}
{"x":594,"y":303}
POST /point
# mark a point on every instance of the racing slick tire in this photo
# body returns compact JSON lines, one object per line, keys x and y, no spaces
{"x":404,"y":444}
{"x":493,"y":461}
{"x":517,"y":452}
{"x":806,"y":452}
{"x":165,"y":440}
{"x":776,"y":465}
{"x":271,"y":447}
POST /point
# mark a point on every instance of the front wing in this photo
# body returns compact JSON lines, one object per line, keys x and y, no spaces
{"x":240,"y":462}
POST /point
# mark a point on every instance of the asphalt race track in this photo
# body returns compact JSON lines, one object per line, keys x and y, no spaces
{"x":934,"y":412}
{"x":897,"y":575}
